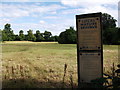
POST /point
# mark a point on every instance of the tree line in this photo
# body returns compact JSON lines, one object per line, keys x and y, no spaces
{"x":8,"y":35}
{"x":111,"y":33}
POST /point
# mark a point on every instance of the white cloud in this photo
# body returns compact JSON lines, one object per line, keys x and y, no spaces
{"x":91,"y":6}
{"x":14,"y":0}
{"x":46,"y":9}
{"x":54,"y":28}
{"x":42,"y":22}
{"x":54,"y":12}
{"x":15,"y":11}
{"x":3,"y":21}
{"x":30,"y":0}
{"x":72,"y":11}
{"x":10,"y":10}
{"x":20,"y":10}
{"x":52,"y":17}
{"x":84,"y":3}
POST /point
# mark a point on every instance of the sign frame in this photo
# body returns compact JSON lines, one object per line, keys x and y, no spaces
{"x":83,"y":16}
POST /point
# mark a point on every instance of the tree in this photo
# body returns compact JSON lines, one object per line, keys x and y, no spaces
{"x":118,"y":34}
{"x":9,"y":32}
{"x":7,"y":27}
{"x":47,"y":35}
{"x":56,"y":38}
{"x":52,"y":38}
{"x":111,"y":36}
{"x":4,"y":36}
{"x":0,"y":35}
{"x":109,"y":25}
{"x":17,"y":38}
{"x":115,"y":36}
{"x":21,"y":35}
{"x":68,"y":36}
{"x":30,"y":36}
{"x":108,"y":21}
{"x":39,"y":36}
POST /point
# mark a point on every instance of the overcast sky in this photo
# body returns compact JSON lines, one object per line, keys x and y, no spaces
{"x":51,"y":15}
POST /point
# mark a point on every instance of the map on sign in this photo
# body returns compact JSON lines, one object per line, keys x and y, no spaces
{"x":89,"y":33}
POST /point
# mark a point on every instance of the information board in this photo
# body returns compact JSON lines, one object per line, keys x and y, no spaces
{"x":90,"y":66}
{"x":89,"y":47}
{"x":89,"y":32}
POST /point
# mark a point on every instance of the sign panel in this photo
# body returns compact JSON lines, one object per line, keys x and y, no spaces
{"x":89,"y":47}
{"x":89,"y":33}
{"x":90,"y":66}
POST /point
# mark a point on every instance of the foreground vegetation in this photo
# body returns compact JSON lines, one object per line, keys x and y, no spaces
{"x":38,"y":64}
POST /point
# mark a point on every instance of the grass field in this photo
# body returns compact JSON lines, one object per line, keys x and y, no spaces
{"x":36,"y":64}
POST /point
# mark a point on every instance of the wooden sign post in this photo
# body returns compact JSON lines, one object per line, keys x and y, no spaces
{"x":89,"y":47}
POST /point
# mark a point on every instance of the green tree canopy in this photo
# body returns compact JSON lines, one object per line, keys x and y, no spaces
{"x":109,"y":28}
{"x":68,"y":36}
{"x":21,"y":35}
{"x":7,"y":31}
{"x":39,"y":36}
{"x":47,"y":35}
{"x":30,"y":36}
{"x":4,"y":36}
{"x":108,"y":21}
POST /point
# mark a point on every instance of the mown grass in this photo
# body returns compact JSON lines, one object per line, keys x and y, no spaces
{"x":35,"y":64}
